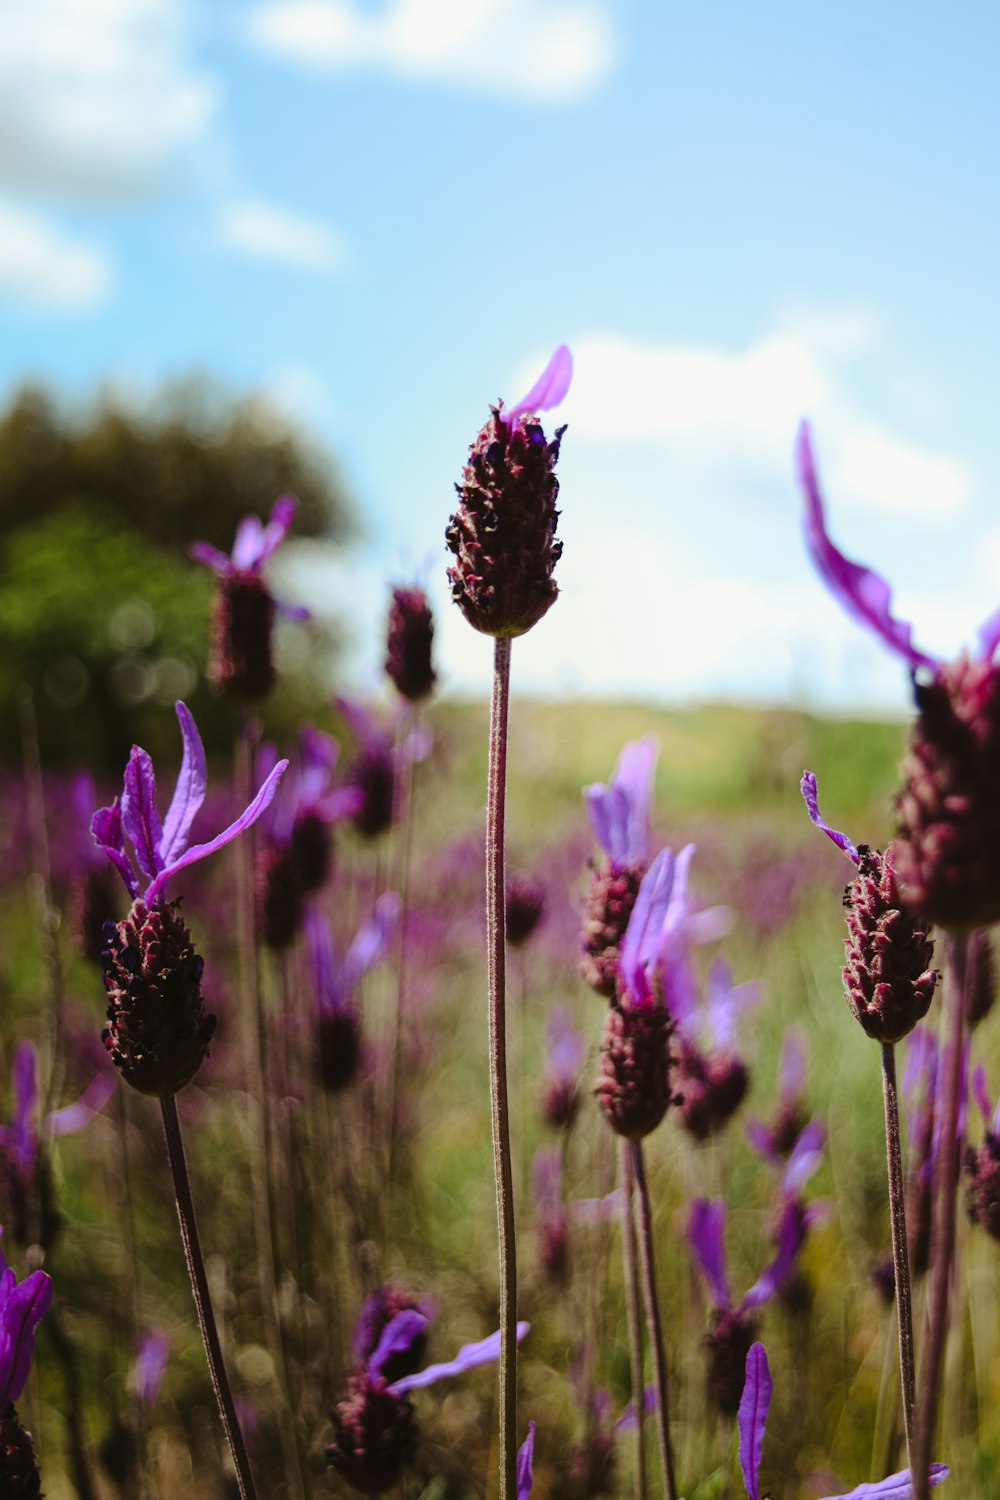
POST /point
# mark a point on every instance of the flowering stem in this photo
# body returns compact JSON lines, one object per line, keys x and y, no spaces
{"x":496,"y":940}
{"x":653,"y":1317}
{"x":630,"y":1255}
{"x":202,"y":1300}
{"x":900,"y":1256}
{"x":943,"y":1235}
{"x":396,"y":1023}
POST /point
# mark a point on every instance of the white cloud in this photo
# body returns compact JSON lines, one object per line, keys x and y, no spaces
{"x":97,"y":97}
{"x":267,"y":232}
{"x":41,"y":267}
{"x":736,"y":413}
{"x":539,"y":49}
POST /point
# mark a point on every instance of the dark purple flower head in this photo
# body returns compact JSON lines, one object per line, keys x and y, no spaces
{"x":711,"y":1081}
{"x":22,"y":1307}
{"x":335,"y":984}
{"x":162,"y":849}
{"x":525,"y":908}
{"x":19,"y":1476}
{"x":751,"y":1420}
{"x":242,"y":661}
{"x":410,"y":638}
{"x":383,"y":751}
{"x":565,"y":1053}
{"x":503,"y":534}
{"x":948,"y":845}
{"x":550,"y":1210}
{"x":774,"y":1142}
{"x":887,"y":979}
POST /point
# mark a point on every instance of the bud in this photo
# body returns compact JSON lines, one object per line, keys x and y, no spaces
{"x":279,"y":899}
{"x":948,"y":846}
{"x":159,"y":1030}
{"x":242,"y":662}
{"x":503,"y":534}
{"x":338,"y":1037}
{"x":374,"y":774}
{"x":711,"y":1087}
{"x":609,"y":902}
{"x":633,"y":1088}
{"x":982,"y":1170}
{"x":19,"y":1476}
{"x":887,"y":981}
{"x":561,"y":1103}
{"x":728,"y":1344}
{"x":410,"y":638}
{"x":376,"y":1436}
{"x":525,"y":908}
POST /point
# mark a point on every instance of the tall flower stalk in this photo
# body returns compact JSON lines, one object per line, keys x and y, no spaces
{"x":503,"y":540}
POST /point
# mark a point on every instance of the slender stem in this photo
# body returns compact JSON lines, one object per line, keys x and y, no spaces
{"x":396,"y":1022}
{"x":943,"y":1235}
{"x":648,"y":1260}
{"x":74,"y":1415}
{"x":496,"y":941}
{"x":630,"y":1255}
{"x":900,"y":1255}
{"x":202,"y":1300}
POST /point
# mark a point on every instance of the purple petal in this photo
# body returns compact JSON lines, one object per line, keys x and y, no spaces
{"x":791,"y":1234}
{"x":597,"y":1210}
{"x":705,"y":1228}
{"x":204,"y":552}
{"x":189,"y":793}
{"x":327,"y":974}
{"x":139,"y":812}
{"x":620,"y":813}
{"x":246,"y":820}
{"x":297,"y":612}
{"x":862,"y":592}
{"x":761,"y":1140}
{"x":525,"y":1457}
{"x":566,"y":1048}
{"x":485,"y":1352}
{"x":628,"y":1420}
{"x":548,"y":390}
{"x":249,"y":544}
{"x":792,"y":1073}
{"x":282,"y":515}
{"x":397,"y":1337}
{"x":21,"y":1310}
{"x":73,"y":1117}
{"x":25,"y":1102}
{"x":360,"y":721}
{"x":752,"y":1417}
{"x":108,"y":834}
{"x":989,"y":636}
{"x":372,"y":940}
{"x":896,"y":1487}
{"x":804,"y":1158}
{"x":644,"y":933}
{"x":979,"y":1092}
{"x":724,"y":1003}
{"x":810,"y":792}
{"x":149,"y":1367}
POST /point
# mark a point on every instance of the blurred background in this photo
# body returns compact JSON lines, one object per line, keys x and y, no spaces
{"x":301,"y":244}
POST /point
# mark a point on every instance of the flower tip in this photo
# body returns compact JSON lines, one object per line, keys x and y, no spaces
{"x":549,"y":389}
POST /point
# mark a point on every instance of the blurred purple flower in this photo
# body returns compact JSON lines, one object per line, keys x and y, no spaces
{"x":525,"y":1464}
{"x":565,"y":1054}
{"x":335,"y":983}
{"x":162,"y":849}
{"x":253,"y":547}
{"x":752,"y":1423}
{"x":550,"y":1211}
{"x":150,"y":1364}
{"x":525,"y":906}
{"x":22,"y":1307}
{"x":22,"y":1137}
{"x":381,"y":755}
{"x":621,"y":812}
{"x":774,"y":1142}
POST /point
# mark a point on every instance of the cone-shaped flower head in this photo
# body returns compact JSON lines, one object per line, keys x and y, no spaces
{"x":751,"y":1419}
{"x":410,"y":638}
{"x":158,"y":1029}
{"x":375,"y":1425}
{"x":525,"y":907}
{"x":712,"y":1081}
{"x":382,"y":754}
{"x":620,"y":815}
{"x":335,"y":982}
{"x":565,"y":1053}
{"x":888,"y":981}
{"x":503,"y":534}
{"x":947,"y":854}
{"x":242,"y":660}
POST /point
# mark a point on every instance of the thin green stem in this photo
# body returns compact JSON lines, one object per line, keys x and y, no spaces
{"x":900,"y":1254}
{"x":202,"y":1299}
{"x":943,"y":1235}
{"x":630,"y":1256}
{"x":496,"y":940}
{"x":648,"y":1260}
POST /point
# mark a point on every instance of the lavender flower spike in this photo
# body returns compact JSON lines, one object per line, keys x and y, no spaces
{"x":525,"y":1464}
{"x":161,"y":849}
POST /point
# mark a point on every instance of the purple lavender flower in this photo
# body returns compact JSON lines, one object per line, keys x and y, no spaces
{"x":774,"y":1142}
{"x":242,"y":660}
{"x":150,"y":1364}
{"x":732,"y":1328}
{"x":26,"y":1198}
{"x":159,"y":1030}
{"x":382,"y":754}
{"x":620,"y":816}
{"x":525,"y":907}
{"x":335,"y":982}
{"x":550,"y":1211}
{"x":565,"y":1053}
{"x":410,"y":639}
{"x":503,"y":534}
{"x":888,"y":983}
{"x":948,"y":848}
{"x":712,"y":1081}
{"x":22,"y":1306}
{"x":751,"y":1421}
{"x":375,"y":1426}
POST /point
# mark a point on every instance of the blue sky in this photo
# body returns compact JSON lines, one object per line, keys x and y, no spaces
{"x":385,"y":215}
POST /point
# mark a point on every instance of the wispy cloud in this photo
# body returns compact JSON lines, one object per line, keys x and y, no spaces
{"x":43,"y":268}
{"x":256,"y":228}
{"x":98,"y":98}
{"x":535,"y":49}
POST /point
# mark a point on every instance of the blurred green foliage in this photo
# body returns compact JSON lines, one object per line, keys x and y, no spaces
{"x":103,"y":618}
